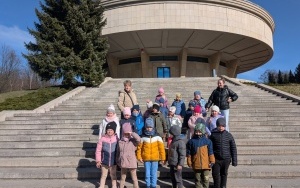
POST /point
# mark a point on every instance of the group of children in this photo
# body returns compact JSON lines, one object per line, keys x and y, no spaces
{"x":141,"y":138}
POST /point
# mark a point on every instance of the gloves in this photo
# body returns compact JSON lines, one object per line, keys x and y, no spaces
{"x":211,"y":165}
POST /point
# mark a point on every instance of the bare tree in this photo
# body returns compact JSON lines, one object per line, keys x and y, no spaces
{"x":9,"y":68}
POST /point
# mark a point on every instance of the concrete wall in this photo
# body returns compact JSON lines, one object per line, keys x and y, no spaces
{"x":189,"y":15}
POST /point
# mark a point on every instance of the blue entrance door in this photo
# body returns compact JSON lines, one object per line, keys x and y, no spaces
{"x":163,"y":72}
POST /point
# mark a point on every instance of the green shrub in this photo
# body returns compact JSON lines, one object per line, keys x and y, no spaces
{"x":33,"y":100}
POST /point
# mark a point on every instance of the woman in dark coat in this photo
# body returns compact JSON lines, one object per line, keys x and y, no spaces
{"x":221,"y":97}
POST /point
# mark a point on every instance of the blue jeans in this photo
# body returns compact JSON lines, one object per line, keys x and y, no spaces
{"x":225,"y":113}
{"x":151,"y":173}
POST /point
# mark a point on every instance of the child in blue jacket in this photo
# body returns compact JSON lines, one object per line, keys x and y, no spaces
{"x":137,"y":116}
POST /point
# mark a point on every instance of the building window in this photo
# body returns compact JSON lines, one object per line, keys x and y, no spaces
{"x":197,"y":59}
{"x":130,"y":60}
{"x":163,"y":58}
{"x":223,"y":64}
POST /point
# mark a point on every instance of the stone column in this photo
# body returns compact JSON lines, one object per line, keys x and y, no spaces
{"x":214,"y":61}
{"x":146,"y":73}
{"x":182,"y":62}
{"x":113,"y":64}
{"x":231,"y":67}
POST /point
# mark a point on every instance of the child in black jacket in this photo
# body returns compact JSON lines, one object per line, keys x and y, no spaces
{"x":225,"y":152}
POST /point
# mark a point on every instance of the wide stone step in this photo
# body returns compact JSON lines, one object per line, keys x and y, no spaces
{"x":161,"y":183}
{"x":62,"y":162}
{"x":267,"y":142}
{"x":241,"y":171}
{"x":28,"y":138}
{"x":288,"y":159}
{"x":251,"y":118}
{"x":46,"y":152}
{"x":267,"y":128}
{"x":237,"y":123}
{"x":263,"y":106}
{"x":75,"y":162}
{"x":46,"y":127}
{"x":51,"y":122}
{"x":268,"y":150}
{"x":56,"y":117}
{"x":90,"y":152}
{"x":47,"y":144}
{"x":278,"y":135}
{"x":264,"y":114}
{"x":50,"y":132}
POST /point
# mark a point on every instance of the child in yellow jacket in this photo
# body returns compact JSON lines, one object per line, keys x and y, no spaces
{"x":150,"y":151}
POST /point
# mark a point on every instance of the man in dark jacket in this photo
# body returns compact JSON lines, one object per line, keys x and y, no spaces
{"x":221,"y":97}
{"x":225,"y":152}
{"x":176,"y":156}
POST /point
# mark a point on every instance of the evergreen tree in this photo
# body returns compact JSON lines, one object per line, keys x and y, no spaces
{"x":285,"y":78}
{"x":68,"y":44}
{"x":291,"y":77}
{"x":271,"y":78}
{"x":280,"y":78}
{"x":297,"y":74}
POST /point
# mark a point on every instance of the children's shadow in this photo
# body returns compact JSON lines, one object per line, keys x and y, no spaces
{"x":86,"y":168}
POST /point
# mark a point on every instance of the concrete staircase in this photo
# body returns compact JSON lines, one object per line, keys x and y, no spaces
{"x":56,"y":148}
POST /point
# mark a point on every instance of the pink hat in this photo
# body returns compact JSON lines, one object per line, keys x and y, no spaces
{"x":161,"y":90}
{"x":127,"y":111}
{"x":126,"y":128}
{"x":197,"y":109}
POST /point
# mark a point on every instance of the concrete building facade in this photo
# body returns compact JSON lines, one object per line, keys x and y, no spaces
{"x":186,"y":38}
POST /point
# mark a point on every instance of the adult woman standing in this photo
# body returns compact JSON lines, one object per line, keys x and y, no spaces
{"x":221,"y":97}
{"x":127,"y":97}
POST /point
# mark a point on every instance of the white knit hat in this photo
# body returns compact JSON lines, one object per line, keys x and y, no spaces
{"x":215,"y":108}
{"x":111,"y":108}
{"x":172,"y":109}
{"x":149,"y":104}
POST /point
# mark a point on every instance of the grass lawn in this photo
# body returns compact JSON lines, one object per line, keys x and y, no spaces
{"x":289,"y":88}
{"x":29,"y":100}
{"x":13,"y":94}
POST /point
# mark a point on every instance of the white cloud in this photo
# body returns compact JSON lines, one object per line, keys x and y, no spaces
{"x":14,"y":37}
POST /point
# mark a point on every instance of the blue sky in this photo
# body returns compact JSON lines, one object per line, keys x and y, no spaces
{"x":18,"y":15}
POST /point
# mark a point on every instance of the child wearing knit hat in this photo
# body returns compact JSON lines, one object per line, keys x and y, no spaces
{"x":126,"y":157}
{"x":192,"y":121}
{"x":200,"y":156}
{"x":198,"y":100}
{"x":188,"y":113}
{"x":161,"y":94}
{"x":159,"y":120}
{"x":127,"y":119}
{"x":147,"y":113}
{"x":105,"y":155}
{"x":162,"y":108}
{"x":150,"y":151}
{"x":110,"y":116}
{"x":180,"y":105}
{"x":225,"y":152}
{"x":136,"y":115}
{"x":212,"y":120}
{"x":172,"y":120}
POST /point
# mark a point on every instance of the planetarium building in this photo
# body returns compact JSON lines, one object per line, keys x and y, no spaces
{"x":186,"y":38}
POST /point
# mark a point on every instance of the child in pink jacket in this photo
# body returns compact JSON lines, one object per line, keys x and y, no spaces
{"x":126,"y":158}
{"x":197,"y":114}
{"x":106,"y":154}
